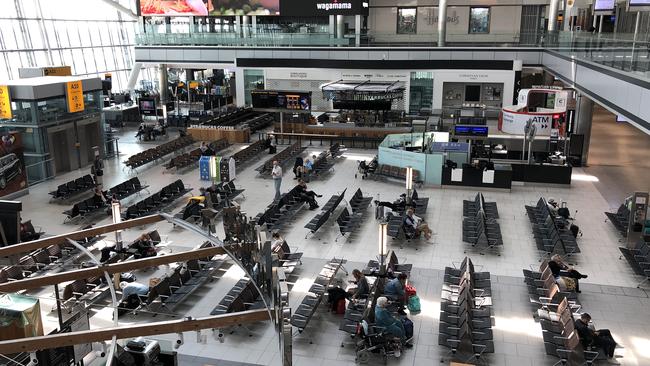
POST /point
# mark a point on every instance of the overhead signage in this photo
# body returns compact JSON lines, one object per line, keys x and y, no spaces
{"x":5,"y":103}
{"x":471,"y":131}
{"x":57,"y":71}
{"x":638,"y":5}
{"x":450,"y":146}
{"x":514,"y":123}
{"x":74,"y":96}
{"x":279,"y":99}
{"x":194,"y":84}
{"x":604,"y":7}
{"x":323,"y":7}
{"x":208,"y":7}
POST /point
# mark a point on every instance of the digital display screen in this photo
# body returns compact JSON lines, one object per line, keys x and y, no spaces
{"x":313,"y":8}
{"x":208,"y":7}
{"x":464,"y":130}
{"x":604,"y":5}
{"x":277,"y":99}
{"x":147,"y":106}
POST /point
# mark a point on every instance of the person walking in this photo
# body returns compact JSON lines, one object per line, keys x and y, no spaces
{"x":276,"y":173}
{"x":97,"y":170}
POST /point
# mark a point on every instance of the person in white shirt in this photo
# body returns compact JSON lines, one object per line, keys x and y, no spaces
{"x":416,"y":225}
{"x":276,"y":173}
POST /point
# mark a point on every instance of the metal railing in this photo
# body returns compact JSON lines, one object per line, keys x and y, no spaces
{"x":618,"y":50}
{"x":40,"y":171}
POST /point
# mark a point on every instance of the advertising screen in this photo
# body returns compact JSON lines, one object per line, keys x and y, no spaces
{"x":208,"y":7}
{"x":604,"y":5}
{"x":147,"y":106}
{"x":638,"y":4}
{"x":277,"y":99}
{"x":312,"y":8}
{"x":12,"y":165}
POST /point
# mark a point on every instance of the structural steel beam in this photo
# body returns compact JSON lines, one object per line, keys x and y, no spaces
{"x":103,"y":334}
{"x":30,"y":246}
{"x":49,"y":280}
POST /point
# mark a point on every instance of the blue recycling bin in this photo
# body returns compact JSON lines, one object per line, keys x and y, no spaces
{"x":204,"y":168}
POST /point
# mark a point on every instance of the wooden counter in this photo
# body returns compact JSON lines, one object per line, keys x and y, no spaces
{"x":213,"y":134}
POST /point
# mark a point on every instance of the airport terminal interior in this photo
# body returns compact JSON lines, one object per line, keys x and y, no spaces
{"x":324,"y":182}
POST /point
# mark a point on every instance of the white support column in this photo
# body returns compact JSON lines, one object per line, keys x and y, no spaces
{"x":442,"y":22}
{"x":340,"y":27}
{"x":552,"y":15}
{"x":600,"y":24}
{"x":240,"y":87}
{"x":254,"y":24}
{"x":133,"y":76}
{"x":357,"y":30}
{"x":162,"y":80}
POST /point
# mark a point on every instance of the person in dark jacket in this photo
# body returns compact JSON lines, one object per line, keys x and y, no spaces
{"x":565,"y":276}
{"x":601,"y":338}
{"x":363,"y":289}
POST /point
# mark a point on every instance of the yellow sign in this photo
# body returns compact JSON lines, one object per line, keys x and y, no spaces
{"x":194,"y":84}
{"x":57,"y":71}
{"x":75,"y":96}
{"x":5,"y":103}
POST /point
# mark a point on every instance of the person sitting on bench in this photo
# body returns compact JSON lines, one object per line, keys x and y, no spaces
{"x":133,"y":289}
{"x":552,"y":205}
{"x":395,"y":290}
{"x":397,"y":206}
{"x":297,"y":168}
{"x":361,"y":290}
{"x":271,"y":144}
{"x":144,"y":247}
{"x":195,"y":204}
{"x":205,"y":149}
{"x":308,"y":196}
{"x":100,"y":198}
{"x":384,"y":319}
{"x":601,"y":338}
{"x":414,"y":226}
{"x":276,"y":244}
{"x":565,"y":276}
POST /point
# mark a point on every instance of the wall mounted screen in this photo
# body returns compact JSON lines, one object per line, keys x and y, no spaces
{"x":604,"y":5}
{"x":208,"y":7}
{"x":639,"y":5}
{"x":282,"y":100}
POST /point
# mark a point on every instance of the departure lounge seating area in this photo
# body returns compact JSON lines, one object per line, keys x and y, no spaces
{"x":551,"y":233}
{"x":158,"y":201}
{"x":620,"y":219}
{"x":283,"y":158}
{"x":188,"y":159}
{"x":158,"y":152}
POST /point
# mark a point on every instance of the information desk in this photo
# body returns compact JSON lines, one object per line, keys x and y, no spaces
{"x":500,"y":177}
{"x":542,"y":173}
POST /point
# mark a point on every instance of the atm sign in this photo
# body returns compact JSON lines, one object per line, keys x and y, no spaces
{"x":75,"y":96}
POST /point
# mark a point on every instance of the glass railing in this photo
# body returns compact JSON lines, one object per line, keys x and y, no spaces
{"x":620,"y":51}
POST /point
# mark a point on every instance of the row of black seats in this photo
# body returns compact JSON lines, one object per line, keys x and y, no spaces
{"x":349,"y":221}
{"x":243,"y":296}
{"x":466,"y":311}
{"x":180,"y":283}
{"x":481,"y":231}
{"x":187,"y":159}
{"x":305,"y":311}
{"x":126,"y":189}
{"x":279,"y":213}
{"x":282,"y":158}
{"x":95,"y":203}
{"x":74,"y":187}
{"x":620,"y":219}
{"x":470,"y":208}
{"x":249,"y":152}
{"x":326,"y":211}
{"x":639,"y":260}
{"x":551,"y":233}
{"x":157,"y":201}
{"x":158,"y":152}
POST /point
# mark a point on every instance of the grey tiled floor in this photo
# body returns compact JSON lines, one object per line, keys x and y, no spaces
{"x":609,"y":293}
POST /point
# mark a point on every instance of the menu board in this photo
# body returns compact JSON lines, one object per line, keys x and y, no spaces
{"x":5,"y":103}
{"x":278,"y":99}
{"x":75,"y":96}
{"x":208,"y":7}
